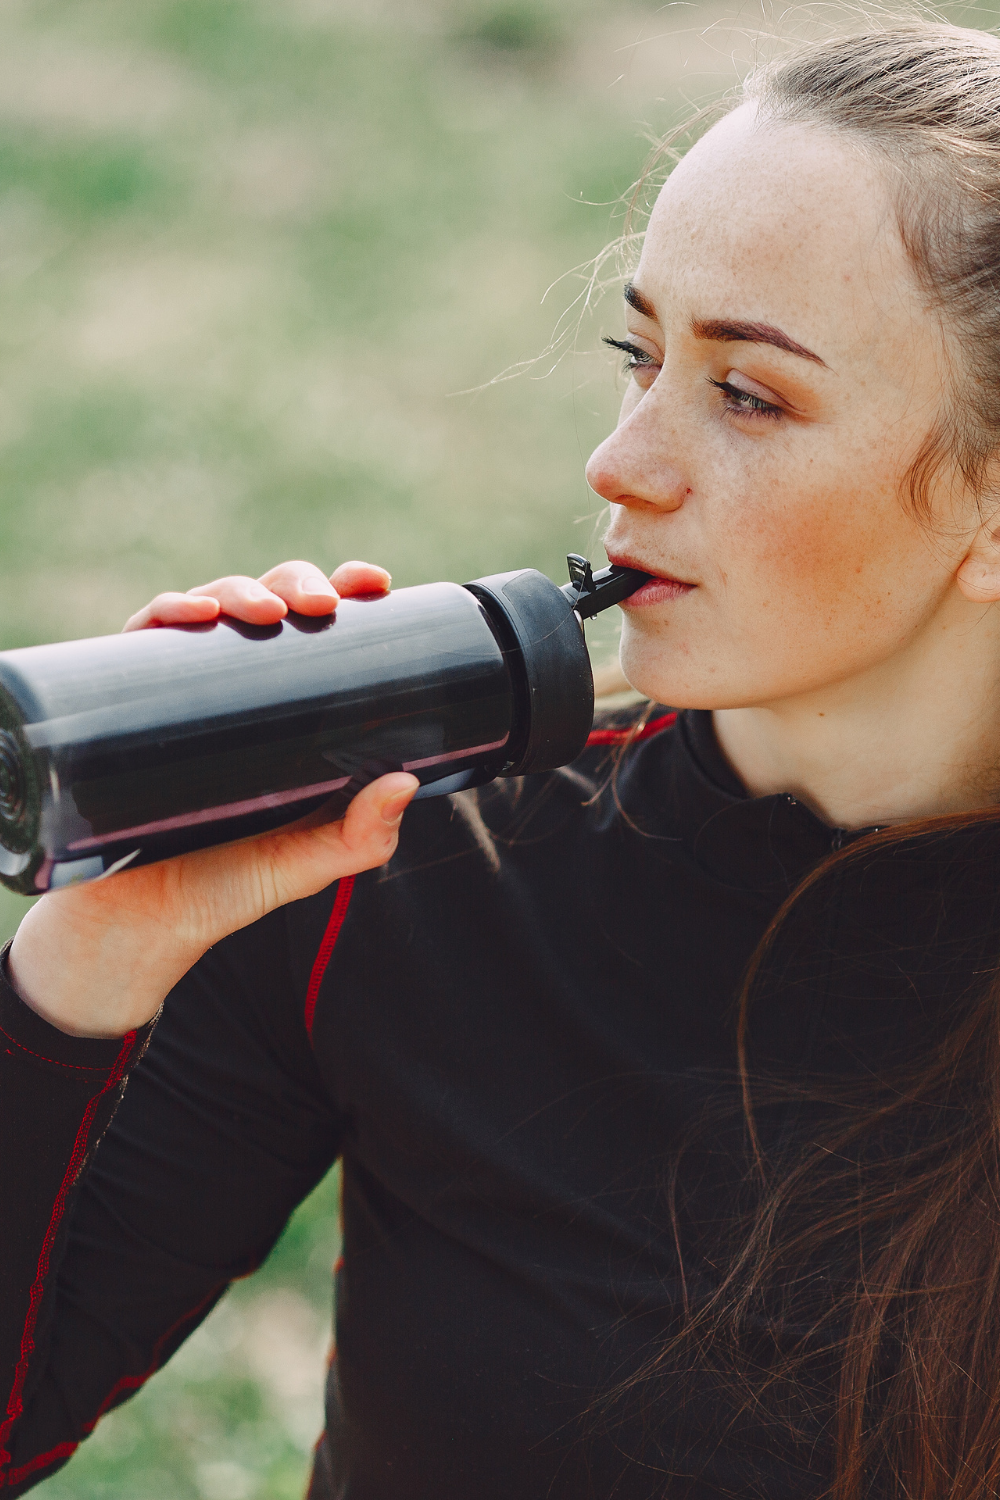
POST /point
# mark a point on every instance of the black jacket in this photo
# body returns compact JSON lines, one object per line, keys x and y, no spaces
{"x":504,"y":1035}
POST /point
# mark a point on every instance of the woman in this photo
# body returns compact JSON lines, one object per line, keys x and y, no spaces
{"x":615,"y":1221}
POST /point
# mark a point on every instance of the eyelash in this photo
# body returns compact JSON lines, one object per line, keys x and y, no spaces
{"x":635,"y":358}
{"x":744,"y":403}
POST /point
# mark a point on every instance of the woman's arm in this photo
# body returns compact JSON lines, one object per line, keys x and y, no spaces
{"x":224,"y":1127}
{"x":97,"y":960}
{"x":57,"y":1096}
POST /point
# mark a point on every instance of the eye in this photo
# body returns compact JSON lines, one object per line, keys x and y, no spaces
{"x":745,"y":402}
{"x":636,"y":359}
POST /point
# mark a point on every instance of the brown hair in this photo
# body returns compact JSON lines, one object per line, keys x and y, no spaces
{"x":912,"y":1326}
{"x":924,"y":101}
{"x":876,"y":1236}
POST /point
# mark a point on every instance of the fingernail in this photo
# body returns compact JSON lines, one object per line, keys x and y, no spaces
{"x":319,"y":586}
{"x":394,"y":807}
{"x":258,"y":591}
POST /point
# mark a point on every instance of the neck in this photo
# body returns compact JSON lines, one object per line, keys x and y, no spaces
{"x":913,"y":737}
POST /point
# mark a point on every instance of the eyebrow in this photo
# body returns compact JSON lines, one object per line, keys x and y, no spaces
{"x":635,"y":299}
{"x":728,"y":330}
{"x":735,"y":331}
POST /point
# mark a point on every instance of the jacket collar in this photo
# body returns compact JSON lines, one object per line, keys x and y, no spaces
{"x":764,"y":844}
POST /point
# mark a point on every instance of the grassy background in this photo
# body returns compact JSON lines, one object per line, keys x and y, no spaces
{"x":250,"y":250}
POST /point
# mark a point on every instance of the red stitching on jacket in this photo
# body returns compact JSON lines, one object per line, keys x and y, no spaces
{"x":127,"y":1382}
{"x":134,"y":1382}
{"x":326,"y":948}
{"x":630,"y":736}
{"x":78,"y":1067}
{"x":62,"y":1450}
{"x":15,"y":1404}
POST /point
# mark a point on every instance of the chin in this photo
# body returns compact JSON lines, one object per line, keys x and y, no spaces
{"x":653,"y":678}
{"x":652,"y":668}
{"x":649,"y":669}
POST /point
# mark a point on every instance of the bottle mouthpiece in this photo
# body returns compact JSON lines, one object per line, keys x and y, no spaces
{"x":590,"y":592}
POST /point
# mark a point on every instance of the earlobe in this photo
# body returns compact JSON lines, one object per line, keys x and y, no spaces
{"x":978,"y":575}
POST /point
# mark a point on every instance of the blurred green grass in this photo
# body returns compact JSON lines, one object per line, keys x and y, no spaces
{"x":250,"y":250}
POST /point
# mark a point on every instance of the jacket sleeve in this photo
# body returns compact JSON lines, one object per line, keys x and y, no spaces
{"x":109,"y":1258}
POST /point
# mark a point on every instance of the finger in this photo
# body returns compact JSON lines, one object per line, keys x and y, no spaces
{"x":378,"y":806}
{"x":174,"y":609}
{"x":244,"y":599}
{"x":302,"y":861}
{"x":304,"y":588}
{"x":181,"y":906}
{"x":353,"y":578}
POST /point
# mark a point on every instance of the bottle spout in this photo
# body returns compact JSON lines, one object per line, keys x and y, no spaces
{"x":589,"y":593}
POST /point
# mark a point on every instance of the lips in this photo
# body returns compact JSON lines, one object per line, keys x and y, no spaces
{"x":660,"y":588}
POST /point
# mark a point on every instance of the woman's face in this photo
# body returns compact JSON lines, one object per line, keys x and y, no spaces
{"x":784,"y":373}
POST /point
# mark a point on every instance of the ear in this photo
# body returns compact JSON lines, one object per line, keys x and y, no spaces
{"x":978,"y":575}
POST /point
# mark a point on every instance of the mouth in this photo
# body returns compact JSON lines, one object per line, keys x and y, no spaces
{"x":660,"y":588}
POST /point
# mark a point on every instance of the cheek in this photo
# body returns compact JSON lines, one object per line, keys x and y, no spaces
{"x":804,"y":583}
{"x":798,"y":594}
{"x":779,"y":558}
{"x":830,"y":555}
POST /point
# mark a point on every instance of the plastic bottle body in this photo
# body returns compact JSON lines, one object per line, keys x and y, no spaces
{"x":129,"y":749}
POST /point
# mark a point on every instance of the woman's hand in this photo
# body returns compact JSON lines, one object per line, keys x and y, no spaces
{"x":98,"y":959}
{"x":263,"y":601}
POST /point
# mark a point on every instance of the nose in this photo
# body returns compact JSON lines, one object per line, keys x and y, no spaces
{"x":638,"y":465}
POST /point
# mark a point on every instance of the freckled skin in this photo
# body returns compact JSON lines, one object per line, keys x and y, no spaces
{"x":819,"y":593}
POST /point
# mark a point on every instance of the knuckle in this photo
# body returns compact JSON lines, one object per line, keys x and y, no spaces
{"x":231,"y":582}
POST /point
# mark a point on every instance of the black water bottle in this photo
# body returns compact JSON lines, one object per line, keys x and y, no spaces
{"x":127,"y":749}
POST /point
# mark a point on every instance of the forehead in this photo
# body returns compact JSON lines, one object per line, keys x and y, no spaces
{"x":786,"y":224}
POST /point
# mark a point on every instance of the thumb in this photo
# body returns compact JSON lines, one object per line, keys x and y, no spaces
{"x":305,"y":858}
